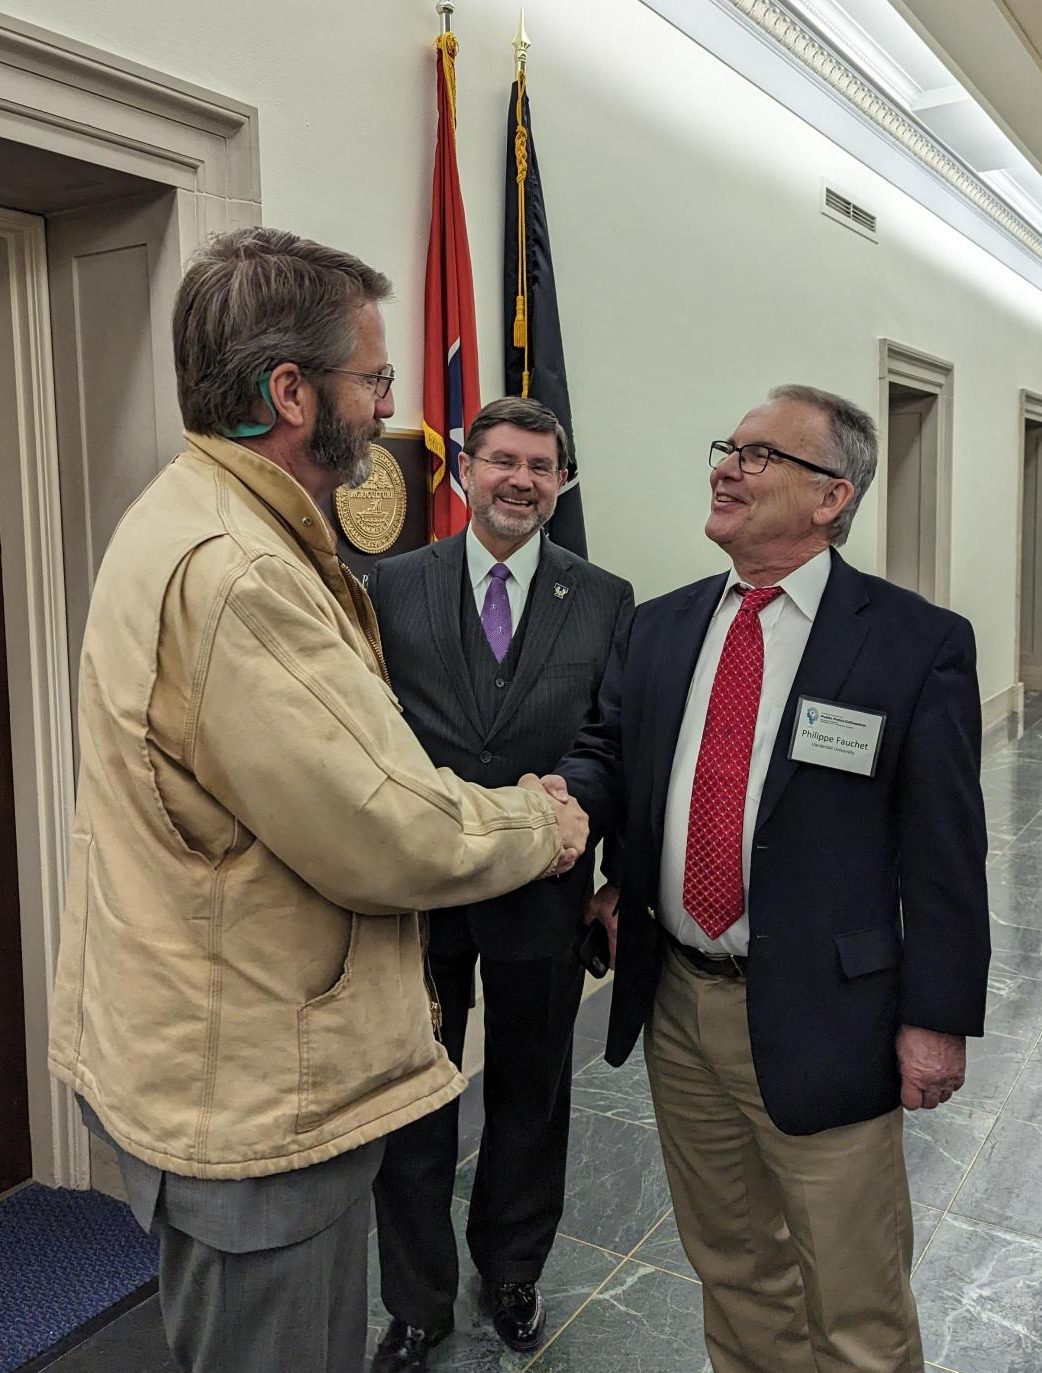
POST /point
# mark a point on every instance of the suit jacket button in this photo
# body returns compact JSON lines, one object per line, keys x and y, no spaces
{"x":486,"y":757}
{"x":500,"y":682}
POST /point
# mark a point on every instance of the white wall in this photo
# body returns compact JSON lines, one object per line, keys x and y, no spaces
{"x":694,"y":268}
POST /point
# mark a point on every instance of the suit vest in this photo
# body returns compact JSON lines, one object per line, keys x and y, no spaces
{"x":490,"y":679}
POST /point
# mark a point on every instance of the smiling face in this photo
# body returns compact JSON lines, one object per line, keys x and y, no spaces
{"x":508,"y":507}
{"x":778,"y":518}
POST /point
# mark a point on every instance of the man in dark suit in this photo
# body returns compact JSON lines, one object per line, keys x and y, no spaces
{"x":803,"y":922}
{"x":495,"y":641}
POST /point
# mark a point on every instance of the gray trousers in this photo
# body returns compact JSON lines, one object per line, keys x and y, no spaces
{"x":266,"y":1275}
{"x":301,"y":1308}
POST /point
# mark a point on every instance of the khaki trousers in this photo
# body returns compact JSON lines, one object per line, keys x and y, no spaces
{"x":803,"y":1243}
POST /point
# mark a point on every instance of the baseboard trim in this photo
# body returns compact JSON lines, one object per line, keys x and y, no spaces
{"x":1002,"y":717}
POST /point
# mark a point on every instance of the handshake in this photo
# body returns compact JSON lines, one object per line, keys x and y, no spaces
{"x":572,"y":821}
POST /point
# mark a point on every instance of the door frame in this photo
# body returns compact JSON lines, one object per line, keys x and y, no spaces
{"x":1030,"y":410}
{"x":82,"y":102}
{"x":934,"y":376}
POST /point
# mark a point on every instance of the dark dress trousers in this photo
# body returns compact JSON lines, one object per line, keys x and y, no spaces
{"x":490,"y":722}
{"x":867,"y":896}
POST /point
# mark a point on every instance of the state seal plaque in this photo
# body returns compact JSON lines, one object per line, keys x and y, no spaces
{"x":372,"y":515}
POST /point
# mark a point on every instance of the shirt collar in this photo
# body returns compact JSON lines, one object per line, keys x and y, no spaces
{"x":804,"y":587}
{"x":522,"y":562}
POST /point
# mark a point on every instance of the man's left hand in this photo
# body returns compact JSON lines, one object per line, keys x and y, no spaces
{"x":933,"y":1066}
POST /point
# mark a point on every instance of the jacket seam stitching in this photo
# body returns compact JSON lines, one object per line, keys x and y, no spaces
{"x":277,"y":650}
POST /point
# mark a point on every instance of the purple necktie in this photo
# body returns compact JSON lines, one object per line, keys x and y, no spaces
{"x":495,"y":613}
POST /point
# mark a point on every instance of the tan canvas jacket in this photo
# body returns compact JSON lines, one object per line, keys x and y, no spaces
{"x":240,"y":985}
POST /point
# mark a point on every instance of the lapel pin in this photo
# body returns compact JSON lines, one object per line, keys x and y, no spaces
{"x":560,"y":591}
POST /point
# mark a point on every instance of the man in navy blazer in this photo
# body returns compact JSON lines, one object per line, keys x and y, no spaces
{"x":794,"y":750}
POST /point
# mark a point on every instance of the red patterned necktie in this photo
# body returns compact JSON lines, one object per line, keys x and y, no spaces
{"x":714,"y":892}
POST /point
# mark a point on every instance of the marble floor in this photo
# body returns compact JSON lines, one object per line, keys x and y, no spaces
{"x":619,"y":1290}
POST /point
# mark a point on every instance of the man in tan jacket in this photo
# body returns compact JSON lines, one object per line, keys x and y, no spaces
{"x":240,"y":1000}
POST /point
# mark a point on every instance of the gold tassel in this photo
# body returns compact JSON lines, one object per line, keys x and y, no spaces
{"x":520,"y":324}
{"x":524,"y":382}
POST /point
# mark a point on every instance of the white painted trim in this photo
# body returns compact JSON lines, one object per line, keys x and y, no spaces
{"x":1030,"y":410}
{"x":73,"y":99}
{"x":77,"y":100}
{"x":1002,"y":715}
{"x":46,"y":753}
{"x":909,"y":367}
{"x":768,"y":46}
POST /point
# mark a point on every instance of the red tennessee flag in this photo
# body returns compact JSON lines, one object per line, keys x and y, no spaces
{"x":450,"y":353}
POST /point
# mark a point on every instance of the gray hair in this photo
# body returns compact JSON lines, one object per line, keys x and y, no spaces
{"x":852,"y":448}
{"x":525,"y":413}
{"x":254,"y":298}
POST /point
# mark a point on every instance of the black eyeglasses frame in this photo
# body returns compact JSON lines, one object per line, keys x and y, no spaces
{"x":725,"y":448}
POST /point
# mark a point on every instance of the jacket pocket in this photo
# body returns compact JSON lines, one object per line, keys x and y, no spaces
{"x":372,"y":1028}
{"x":868,"y":951}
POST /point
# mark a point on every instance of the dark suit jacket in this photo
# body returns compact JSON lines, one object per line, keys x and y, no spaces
{"x":553,"y":694}
{"x":867,"y":898}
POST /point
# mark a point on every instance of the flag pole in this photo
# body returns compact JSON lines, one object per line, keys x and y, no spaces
{"x":521,"y":44}
{"x":446,"y":9}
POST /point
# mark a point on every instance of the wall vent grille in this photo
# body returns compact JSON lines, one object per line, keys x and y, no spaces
{"x":841,"y":208}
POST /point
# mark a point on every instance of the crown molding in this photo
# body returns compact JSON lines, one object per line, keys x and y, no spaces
{"x":824,"y":64}
{"x":768,"y":45}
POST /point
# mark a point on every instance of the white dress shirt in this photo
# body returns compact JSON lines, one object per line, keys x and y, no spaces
{"x":786,"y":625}
{"x":522,"y":564}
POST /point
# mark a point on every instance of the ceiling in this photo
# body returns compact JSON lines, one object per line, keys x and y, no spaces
{"x":40,"y":182}
{"x":964,"y":69}
{"x":994,"y":47}
{"x":1027,"y":16}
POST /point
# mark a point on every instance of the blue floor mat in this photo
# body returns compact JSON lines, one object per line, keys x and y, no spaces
{"x":64,"y":1257}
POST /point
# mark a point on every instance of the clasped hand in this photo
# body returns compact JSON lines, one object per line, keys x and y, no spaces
{"x":572,"y":821}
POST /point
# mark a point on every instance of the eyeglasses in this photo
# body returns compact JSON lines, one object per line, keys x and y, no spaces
{"x":754,"y":457}
{"x":540,"y":468}
{"x":381,"y":381}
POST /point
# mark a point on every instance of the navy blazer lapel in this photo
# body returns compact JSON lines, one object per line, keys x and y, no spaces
{"x":673,"y":664}
{"x":832,"y":648}
{"x":548,"y":612}
{"x":443,"y":581}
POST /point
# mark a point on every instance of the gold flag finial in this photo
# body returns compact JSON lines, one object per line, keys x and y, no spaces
{"x":446,"y":9}
{"x":522,"y":43}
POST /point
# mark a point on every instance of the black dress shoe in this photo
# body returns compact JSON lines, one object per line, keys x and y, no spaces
{"x":404,"y":1347}
{"x":518,"y":1314}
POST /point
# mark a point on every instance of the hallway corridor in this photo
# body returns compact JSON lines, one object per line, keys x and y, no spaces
{"x":620,"y":1293}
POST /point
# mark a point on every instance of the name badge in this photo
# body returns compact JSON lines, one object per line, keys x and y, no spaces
{"x":837,"y":736}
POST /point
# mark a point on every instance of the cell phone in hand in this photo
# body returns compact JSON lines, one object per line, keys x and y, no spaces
{"x":594,"y":951}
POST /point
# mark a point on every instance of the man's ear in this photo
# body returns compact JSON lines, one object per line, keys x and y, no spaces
{"x":835,"y":498}
{"x":291,"y":394}
{"x":464,"y":469}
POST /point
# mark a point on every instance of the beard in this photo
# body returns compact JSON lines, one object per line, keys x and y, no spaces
{"x":510,"y":524}
{"x":341,"y":447}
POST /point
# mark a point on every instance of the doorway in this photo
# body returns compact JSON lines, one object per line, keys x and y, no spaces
{"x":911,"y":514}
{"x":1030,"y":653}
{"x":114,"y":172}
{"x":915,"y":471}
{"x":15,"y":1150}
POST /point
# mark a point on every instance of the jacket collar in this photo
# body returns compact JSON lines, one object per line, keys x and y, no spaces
{"x":274,"y":486}
{"x":442,"y":577}
{"x":836,"y":638}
